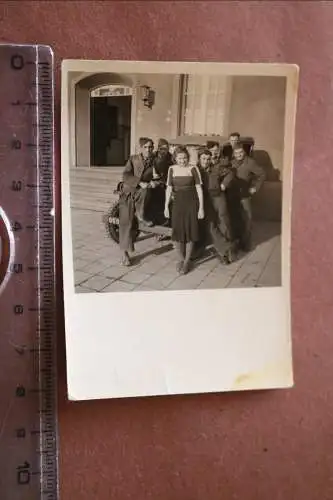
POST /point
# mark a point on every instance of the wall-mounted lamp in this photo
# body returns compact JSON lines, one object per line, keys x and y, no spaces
{"x":148,"y":96}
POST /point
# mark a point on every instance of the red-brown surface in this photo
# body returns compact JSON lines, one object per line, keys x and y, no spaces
{"x":274,"y":445}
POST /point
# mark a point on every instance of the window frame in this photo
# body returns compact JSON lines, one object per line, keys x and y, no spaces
{"x":184,"y":78}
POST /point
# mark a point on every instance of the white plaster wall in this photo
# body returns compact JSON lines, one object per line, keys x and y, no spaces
{"x":157,"y":122}
{"x":258,"y":109}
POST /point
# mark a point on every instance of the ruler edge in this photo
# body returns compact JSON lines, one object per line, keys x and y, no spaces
{"x":54,"y":368}
{"x":45,"y":50}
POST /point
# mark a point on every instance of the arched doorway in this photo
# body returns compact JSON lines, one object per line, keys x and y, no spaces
{"x":110,"y":125}
{"x":104,"y":119}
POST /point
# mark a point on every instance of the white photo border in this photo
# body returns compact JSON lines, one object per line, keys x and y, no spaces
{"x":178,"y":342}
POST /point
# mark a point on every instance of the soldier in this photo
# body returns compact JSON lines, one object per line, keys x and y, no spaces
{"x":248,"y":179}
{"x":228,"y":147}
{"x":163,"y":160}
{"x":138,"y":179}
{"x":217,"y":178}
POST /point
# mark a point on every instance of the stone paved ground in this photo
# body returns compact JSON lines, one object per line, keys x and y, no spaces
{"x":97,"y":269}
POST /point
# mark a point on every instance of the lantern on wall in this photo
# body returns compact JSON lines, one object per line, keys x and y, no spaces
{"x":148,"y":96}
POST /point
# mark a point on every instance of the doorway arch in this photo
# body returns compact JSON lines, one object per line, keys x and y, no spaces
{"x":114,"y":141}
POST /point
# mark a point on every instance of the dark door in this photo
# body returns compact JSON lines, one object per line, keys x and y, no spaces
{"x":110,"y":122}
{"x":103,"y":127}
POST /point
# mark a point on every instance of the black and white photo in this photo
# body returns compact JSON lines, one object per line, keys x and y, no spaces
{"x":211,"y":146}
{"x":176,"y":179}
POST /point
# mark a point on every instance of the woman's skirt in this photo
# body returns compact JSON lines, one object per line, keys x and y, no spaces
{"x":185,"y":224}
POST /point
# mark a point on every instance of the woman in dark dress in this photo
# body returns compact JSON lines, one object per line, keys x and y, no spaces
{"x":184,"y":182}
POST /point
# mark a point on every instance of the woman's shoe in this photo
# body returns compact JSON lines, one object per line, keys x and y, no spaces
{"x":126,"y":261}
{"x":180,"y":266}
{"x":229,"y":257}
{"x":186,"y":267}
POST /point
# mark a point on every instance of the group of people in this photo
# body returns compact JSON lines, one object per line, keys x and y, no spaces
{"x":205,"y":203}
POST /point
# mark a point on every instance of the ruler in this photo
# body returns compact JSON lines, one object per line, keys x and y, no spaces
{"x":28,"y":423}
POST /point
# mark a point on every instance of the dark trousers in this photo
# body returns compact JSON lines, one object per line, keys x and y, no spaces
{"x":129,"y":206}
{"x":219,"y":224}
{"x":246,"y":213}
{"x":241,"y":219}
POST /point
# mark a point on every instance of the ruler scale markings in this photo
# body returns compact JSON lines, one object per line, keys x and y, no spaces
{"x":26,"y":139}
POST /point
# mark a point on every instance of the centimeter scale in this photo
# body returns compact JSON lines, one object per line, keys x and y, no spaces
{"x":28,"y":425}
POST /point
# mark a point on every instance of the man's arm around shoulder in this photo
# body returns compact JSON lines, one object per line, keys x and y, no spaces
{"x":258,"y":172}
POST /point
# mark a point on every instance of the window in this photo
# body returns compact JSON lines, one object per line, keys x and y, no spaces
{"x":204,"y":107}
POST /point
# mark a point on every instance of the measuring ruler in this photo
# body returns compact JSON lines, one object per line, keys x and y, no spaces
{"x":28,"y":424}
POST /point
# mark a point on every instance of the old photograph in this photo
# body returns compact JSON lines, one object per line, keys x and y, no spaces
{"x":176,"y":180}
{"x":176,"y":226}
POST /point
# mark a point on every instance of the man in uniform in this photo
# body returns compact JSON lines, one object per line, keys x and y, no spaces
{"x":163,"y":160}
{"x":248,"y":179}
{"x":217,"y":177}
{"x":228,"y":147}
{"x":138,"y":180}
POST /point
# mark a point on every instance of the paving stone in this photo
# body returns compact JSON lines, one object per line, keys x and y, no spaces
{"x":214,"y":281}
{"x":119,"y":286}
{"x":135,"y":277}
{"x":80,"y":277}
{"x":188,"y":282}
{"x":144,"y":288}
{"x":97,"y":283}
{"x":77,"y":246}
{"x":115,"y":271}
{"x":94,"y":267}
{"x":80,"y":264}
{"x":81,"y":289}
{"x":154,"y":263}
{"x":272,"y":273}
{"x":85,"y":254}
{"x":252,"y":268}
{"x":158,"y":281}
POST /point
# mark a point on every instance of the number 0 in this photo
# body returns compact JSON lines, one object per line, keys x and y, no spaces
{"x":16,"y":185}
{"x":17,"y":61}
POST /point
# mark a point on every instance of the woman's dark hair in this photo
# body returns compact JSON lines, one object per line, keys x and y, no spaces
{"x":144,"y":140}
{"x":212,"y":144}
{"x":181,"y":150}
{"x":234,"y":134}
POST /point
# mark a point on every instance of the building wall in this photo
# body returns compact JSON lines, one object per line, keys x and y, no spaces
{"x":158,"y":121}
{"x":258,"y":110}
{"x":82,"y":127}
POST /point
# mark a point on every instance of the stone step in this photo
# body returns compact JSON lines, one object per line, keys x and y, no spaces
{"x":93,"y":183}
{"x":97,"y":174}
{"x":93,"y":190}
{"x":91,"y":205}
{"x":95,"y":180}
{"x":98,"y":198}
{"x":85,"y":193}
{"x":105,"y":200}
